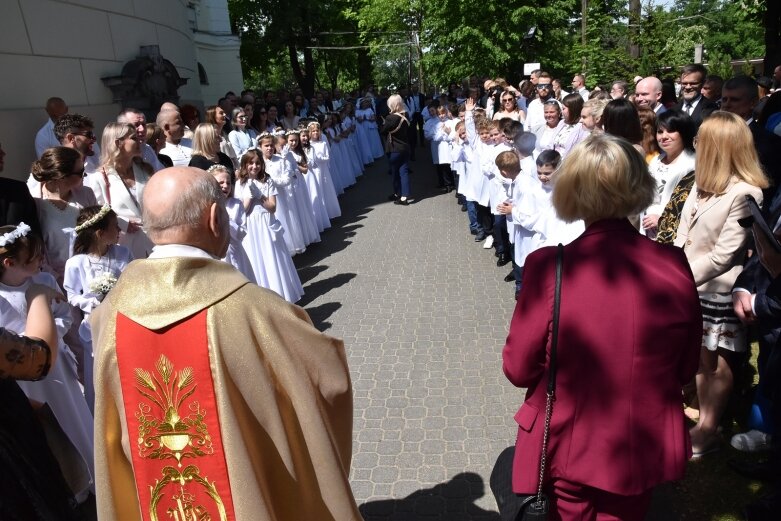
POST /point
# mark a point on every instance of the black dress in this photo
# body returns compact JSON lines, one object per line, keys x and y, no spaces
{"x":202,"y":162}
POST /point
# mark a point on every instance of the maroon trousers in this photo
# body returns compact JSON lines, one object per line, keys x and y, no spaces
{"x":574,"y":502}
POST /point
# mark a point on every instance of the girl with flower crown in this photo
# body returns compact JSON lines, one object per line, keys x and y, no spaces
{"x":21,"y":253}
{"x":92,"y":271}
{"x":282,"y":173}
{"x":305,"y":165}
{"x":341,"y":164}
{"x":236,"y":255}
{"x":322,"y":153}
{"x":264,"y":241}
{"x":319,"y":169}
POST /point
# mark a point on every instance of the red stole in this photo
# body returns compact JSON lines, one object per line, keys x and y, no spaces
{"x":172,"y":421}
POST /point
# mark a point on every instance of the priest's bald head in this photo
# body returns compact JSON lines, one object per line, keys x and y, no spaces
{"x":184,"y":205}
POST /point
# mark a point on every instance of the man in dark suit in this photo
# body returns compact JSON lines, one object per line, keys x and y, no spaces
{"x":739,"y":96}
{"x":692,"y":101}
{"x":764,"y":308}
{"x":16,"y":203}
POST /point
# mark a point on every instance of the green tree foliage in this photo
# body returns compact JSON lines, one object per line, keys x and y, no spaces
{"x":278,"y":34}
{"x":351,"y":43}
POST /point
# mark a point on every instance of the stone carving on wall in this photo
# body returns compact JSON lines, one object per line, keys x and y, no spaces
{"x":146,"y":82}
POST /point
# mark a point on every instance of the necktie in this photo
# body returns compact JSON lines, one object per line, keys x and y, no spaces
{"x":688,"y":108}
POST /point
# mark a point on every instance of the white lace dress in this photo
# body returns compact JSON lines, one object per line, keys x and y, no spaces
{"x":60,"y":389}
{"x":265,"y":244}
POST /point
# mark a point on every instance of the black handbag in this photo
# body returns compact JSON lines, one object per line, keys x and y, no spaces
{"x":532,"y":507}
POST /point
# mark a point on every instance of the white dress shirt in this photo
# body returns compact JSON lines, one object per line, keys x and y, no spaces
{"x":45,"y":138}
{"x":180,"y":154}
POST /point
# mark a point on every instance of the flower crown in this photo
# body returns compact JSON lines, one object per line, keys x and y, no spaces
{"x":8,"y":238}
{"x":264,"y":134}
{"x":95,"y":219}
{"x":292,"y":131}
{"x":221,"y":168}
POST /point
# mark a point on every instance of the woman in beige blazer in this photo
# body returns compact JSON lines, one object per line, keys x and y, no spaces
{"x":727,"y":169}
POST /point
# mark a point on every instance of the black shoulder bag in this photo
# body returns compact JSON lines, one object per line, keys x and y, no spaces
{"x":534,"y":507}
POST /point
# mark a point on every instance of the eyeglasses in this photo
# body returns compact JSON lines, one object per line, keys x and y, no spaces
{"x":541,"y":86}
{"x":88,"y":134}
{"x":508,"y":99}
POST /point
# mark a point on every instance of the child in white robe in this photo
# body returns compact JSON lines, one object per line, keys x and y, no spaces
{"x":20,"y":259}
{"x":264,"y":241}
{"x":91,"y":272}
{"x":236,"y":256}
{"x":318,"y":166}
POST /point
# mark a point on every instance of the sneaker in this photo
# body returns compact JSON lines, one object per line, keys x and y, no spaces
{"x":751,"y":441}
{"x":489,"y":242}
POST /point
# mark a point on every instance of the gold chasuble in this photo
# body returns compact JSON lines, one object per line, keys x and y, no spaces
{"x":216,"y":400}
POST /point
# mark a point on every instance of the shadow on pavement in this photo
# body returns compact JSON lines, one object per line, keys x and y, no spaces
{"x":320,"y":313}
{"x":321,"y":287}
{"x":451,"y":501}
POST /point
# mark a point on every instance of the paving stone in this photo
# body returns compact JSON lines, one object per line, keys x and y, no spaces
{"x":423,"y":313}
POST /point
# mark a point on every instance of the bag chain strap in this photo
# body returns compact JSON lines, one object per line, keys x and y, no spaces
{"x":551,"y":394}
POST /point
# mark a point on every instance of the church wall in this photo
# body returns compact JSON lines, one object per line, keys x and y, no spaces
{"x":63,"y":48}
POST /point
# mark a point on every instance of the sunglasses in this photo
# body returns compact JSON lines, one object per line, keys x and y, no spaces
{"x":88,"y":135}
{"x":80,"y":173}
{"x":541,"y":86}
{"x":508,"y":99}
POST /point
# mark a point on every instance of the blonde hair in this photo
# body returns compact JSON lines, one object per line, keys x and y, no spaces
{"x":113,"y":132}
{"x":206,"y":140}
{"x":396,"y":104}
{"x":596,"y":106}
{"x":725,"y":149}
{"x":603,"y":177}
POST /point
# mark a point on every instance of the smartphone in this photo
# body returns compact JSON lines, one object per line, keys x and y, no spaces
{"x":756,"y":215}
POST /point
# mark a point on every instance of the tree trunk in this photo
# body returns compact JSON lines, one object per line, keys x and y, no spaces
{"x":772,"y":23}
{"x":365,"y":76}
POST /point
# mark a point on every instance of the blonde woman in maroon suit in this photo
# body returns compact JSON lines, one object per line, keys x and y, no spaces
{"x":629,"y":339}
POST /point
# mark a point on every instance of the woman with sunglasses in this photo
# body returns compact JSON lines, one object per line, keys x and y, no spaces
{"x":60,"y":198}
{"x":508,"y":107}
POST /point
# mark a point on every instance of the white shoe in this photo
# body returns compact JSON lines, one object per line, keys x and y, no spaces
{"x":751,"y":441}
{"x":489,"y":243}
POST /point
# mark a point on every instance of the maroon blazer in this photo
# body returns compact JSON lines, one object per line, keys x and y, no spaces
{"x":629,"y":338}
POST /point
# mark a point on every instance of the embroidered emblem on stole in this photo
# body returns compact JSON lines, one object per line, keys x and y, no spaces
{"x":171,"y":414}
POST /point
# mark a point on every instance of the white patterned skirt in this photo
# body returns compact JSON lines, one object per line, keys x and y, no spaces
{"x":721,"y":328}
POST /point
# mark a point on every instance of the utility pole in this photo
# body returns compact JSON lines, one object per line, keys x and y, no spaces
{"x":583,"y":24}
{"x":634,"y":28}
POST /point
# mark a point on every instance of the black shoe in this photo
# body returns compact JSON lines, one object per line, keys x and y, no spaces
{"x":401,"y":202}
{"x":510,"y":277}
{"x":393,"y":197}
{"x":480,"y":237}
{"x":760,"y":470}
{"x":503,"y":259}
{"x":463,"y":207}
{"x":473,"y":232}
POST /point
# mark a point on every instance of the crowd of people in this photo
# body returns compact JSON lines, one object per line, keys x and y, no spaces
{"x":502,"y":148}
{"x":531,"y":167}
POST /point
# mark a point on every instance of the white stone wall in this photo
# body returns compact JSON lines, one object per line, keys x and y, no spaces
{"x":64,"y":48}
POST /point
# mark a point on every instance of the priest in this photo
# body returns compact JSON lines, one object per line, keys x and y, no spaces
{"x":216,"y":399}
